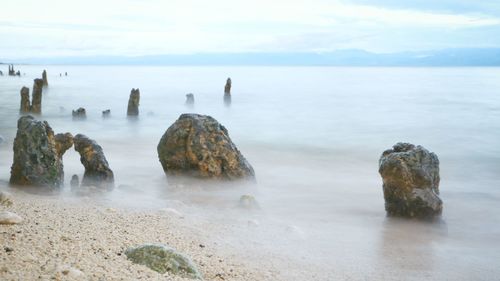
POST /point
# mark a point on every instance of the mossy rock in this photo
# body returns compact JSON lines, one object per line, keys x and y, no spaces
{"x":162,"y":259}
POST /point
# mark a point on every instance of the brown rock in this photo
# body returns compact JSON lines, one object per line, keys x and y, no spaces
{"x":44,"y":78}
{"x":25,"y":100}
{"x":36,"y":106}
{"x":63,"y":143}
{"x":133,"y":103}
{"x":97,"y":171}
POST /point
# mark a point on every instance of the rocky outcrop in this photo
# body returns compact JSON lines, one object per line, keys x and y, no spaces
{"x":410,"y":177}
{"x":190,"y":99}
{"x":198,"y":146}
{"x":44,"y":78}
{"x":80,"y":113}
{"x":36,"y":160}
{"x":163,"y":259}
{"x":25,"y":100}
{"x":36,"y":106}
{"x":227,"y":92}
{"x":63,"y":143}
{"x":97,"y":171}
{"x":133,"y":103}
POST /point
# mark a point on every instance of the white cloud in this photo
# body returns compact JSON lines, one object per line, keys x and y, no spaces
{"x":174,"y":26}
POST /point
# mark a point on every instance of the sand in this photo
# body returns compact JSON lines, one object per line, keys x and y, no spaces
{"x":74,"y":239}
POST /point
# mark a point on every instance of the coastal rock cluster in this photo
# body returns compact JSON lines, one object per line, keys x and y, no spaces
{"x":410,"y":177}
{"x":198,"y":146}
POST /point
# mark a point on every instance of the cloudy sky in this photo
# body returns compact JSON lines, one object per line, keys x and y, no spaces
{"x":33,"y":28}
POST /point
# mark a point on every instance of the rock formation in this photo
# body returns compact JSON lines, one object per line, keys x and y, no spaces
{"x":163,"y":259}
{"x":97,"y":171}
{"x":36,"y":106}
{"x":106,"y":113}
{"x":80,"y":113}
{"x":63,"y":143}
{"x":410,"y":177}
{"x":198,"y":146}
{"x":75,"y":182}
{"x":36,"y":159}
{"x":227,"y":92}
{"x":133,"y":103}
{"x":25,"y":100}
{"x":190,"y":99}
{"x":44,"y":78}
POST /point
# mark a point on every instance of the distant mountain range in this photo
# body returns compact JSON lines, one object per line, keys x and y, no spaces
{"x":446,"y":57}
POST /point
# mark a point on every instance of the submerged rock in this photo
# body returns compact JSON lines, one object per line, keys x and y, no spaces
{"x":75,"y":182}
{"x":25,"y":100}
{"x":97,"y":171}
{"x":197,"y":145}
{"x":5,"y":199}
{"x":189,"y":99}
{"x":106,"y":113}
{"x":36,"y":160}
{"x":133,"y":102}
{"x":163,"y":259}
{"x":36,"y":105}
{"x":9,"y":218}
{"x":44,"y":78}
{"x":80,"y":113}
{"x":248,"y":202}
{"x":410,"y":177}
{"x":227,"y":92}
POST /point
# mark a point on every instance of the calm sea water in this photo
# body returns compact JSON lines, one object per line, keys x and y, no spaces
{"x":314,"y":136}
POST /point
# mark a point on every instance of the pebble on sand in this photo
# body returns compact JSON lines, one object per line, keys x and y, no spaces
{"x":7,"y":217}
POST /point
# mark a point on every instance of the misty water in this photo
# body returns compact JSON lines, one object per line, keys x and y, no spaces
{"x":314,"y":136}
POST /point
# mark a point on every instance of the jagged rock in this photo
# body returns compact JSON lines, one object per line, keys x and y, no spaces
{"x":75,"y":182}
{"x":25,"y":100}
{"x":36,"y":160}
{"x":44,"y":78}
{"x":9,"y":218}
{"x":133,"y":103}
{"x":97,"y":171}
{"x":106,"y":113}
{"x":189,"y":99}
{"x":163,"y":259}
{"x":227,"y":92}
{"x":36,"y":106}
{"x":410,"y":177}
{"x":5,"y":199}
{"x":248,"y":202}
{"x":197,"y":145}
{"x":63,"y":143}
{"x":80,"y":113}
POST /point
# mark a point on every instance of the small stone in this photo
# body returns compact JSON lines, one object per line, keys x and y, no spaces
{"x":8,"y":249}
{"x":5,"y":199}
{"x":248,"y":202}
{"x":80,"y":113}
{"x":106,"y":113}
{"x":7,"y":217}
{"x":162,"y":259}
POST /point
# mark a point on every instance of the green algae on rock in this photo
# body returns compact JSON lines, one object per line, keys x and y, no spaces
{"x":162,"y":259}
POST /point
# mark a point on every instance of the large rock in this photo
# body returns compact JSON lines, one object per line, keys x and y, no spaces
{"x":410,"y":177}
{"x":36,"y":160}
{"x":133,"y":103}
{"x":227,"y":92}
{"x":44,"y":78}
{"x":197,"y":145}
{"x":36,"y":106}
{"x":162,"y":259}
{"x":25,"y":100}
{"x":97,"y":171}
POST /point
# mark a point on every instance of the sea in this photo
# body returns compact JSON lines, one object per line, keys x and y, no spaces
{"x":314,"y":136}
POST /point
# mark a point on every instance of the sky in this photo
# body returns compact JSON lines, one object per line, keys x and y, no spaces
{"x":52,"y":28}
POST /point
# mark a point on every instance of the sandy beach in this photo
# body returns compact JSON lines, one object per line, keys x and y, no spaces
{"x":78,"y":239}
